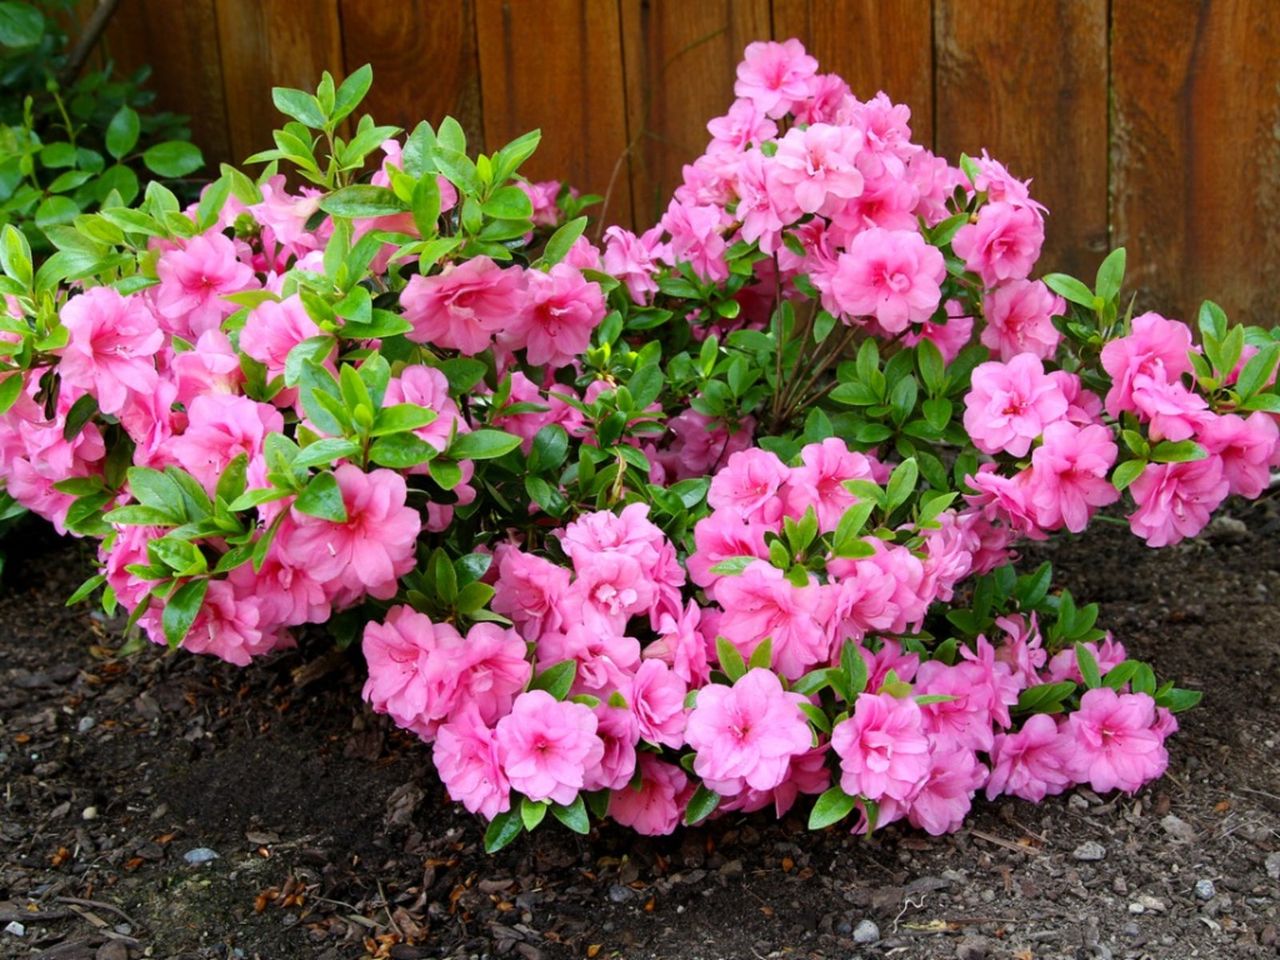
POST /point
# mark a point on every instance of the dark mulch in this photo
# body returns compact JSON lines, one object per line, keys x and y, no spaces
{"x":334,"y":840}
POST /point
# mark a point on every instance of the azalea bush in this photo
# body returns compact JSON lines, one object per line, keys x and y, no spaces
{"x":655,"y":527}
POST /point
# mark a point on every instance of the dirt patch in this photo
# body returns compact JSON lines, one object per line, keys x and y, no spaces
{"x":333,"y":840}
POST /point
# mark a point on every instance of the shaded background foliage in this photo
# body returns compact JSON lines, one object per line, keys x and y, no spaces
{"x":1149,"y":124}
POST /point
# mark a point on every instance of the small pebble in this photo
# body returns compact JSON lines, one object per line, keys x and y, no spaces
{"x":1205,"y":890}
{"x":620,"y":894}
{"x":15,"y":929}
{"x":1090,"y":850}
{"x":1179,"y":829}
{"x":866,"y":932}
{"x":1136,"y":907}
{"x":89,"y":813}
{"x":85,"y":725}
{"x":1273,"y":865}
{"x":199,"y":855}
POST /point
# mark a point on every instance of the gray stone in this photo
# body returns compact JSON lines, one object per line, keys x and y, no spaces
{"x":1205,"y":890}
{"x":1090,"y":850}
{"x":866,"y":932}
{"x":199,"y":855}
{"x":1272,"y":864}
{"x":620,"y":894}
{"x":14,"y":928}
{"x":1179,"y":829}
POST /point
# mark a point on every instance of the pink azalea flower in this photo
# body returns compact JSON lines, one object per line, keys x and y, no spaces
{"x":774,"y":76}
{"x":543,"y":196}
{"x":1069,"y":475}
{"x":1156,"y":347}
{"x":696,"y":239}
{"x":611,"y":588}
{"x":818,"y":164}
{"x":743,"y":125}
{"x":1032,"y":763}
{"x":962,"y":723}
{"x":699,"y":444}
{"x":272,"y":329}
{"x":819,"y":483}
{"x":462,"y":307}
{"x":746,"y":735}
{"x":950,"y":337}
{"x":227,"y":626}
{"x":619,"y":732}
{"x":1172,"y":411}
{"x":883,"y":748}
{"x":1175,"y":500}
{"x":1003,"y":244}
{"x":1009,"y":405}
{"x":410,"y":676}
{"x":1020,"y":319}
{"x":947,"y":791}
{"x":290,"y":595}
{"x":892,"y":275}
{"x":528,"y":590}
{"x":491,"y":668}
{"x":1245,"y":447}
{"x":748,"y":486}
{"x":631,"y":259}
{"x":194,"y":278}
{"x":220,"y":428}
{"x":547,"y":747}
{"x":212,"y":367}
{"x":371,"y":548}
{"x":657,"y":700}
{"x":681,"y":646}
{"x":766,"y":202}
{"x":561,"y":310}
{"x":655,"y":809}
{"x":112,"y":342}
{"x":761,"y":602}
{"x":466,"y":759}
{"x":1113,"y":745}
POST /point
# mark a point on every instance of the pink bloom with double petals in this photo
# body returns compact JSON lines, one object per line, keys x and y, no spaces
{"x":1083,"y":406}
{"x":995,"y":180}
{"x":696,"y":239}
{"x":761,"y":602}
{"x":491,"y":668}
{"x":1009,"y":404}
{"x":1175,"y":500}
{"x":883,"y":748}
{"x":228,"y":626}
{"x":194,"y":278}
{"x":1113,"y":743}
{"x":528,"y":591}
{"x":774,"y":76}
{"x":466,"y":758}
{"x":290,"y":595}
{"x":1069,"y":475}
{"x":630,"y":531}
{"x":631,"y":259}
{"x":746,"y":735}
{"x":1005,"y":500}
{"x":1246,"y":448}
{"x":1003,"y":244}
{"x":892,"y":275}
{"x":371,"y":548}
{"x":766,"y":203}
{"x":946,"y":794}
{"x":681,"y":646}
{"x":743,"y":125}
{"x":618,"y":731}
{"x":606,"y":659}
{"x":610,"y":588}
{"x":1032,"y":763}
{"x":885,"y":126}
{"x":1171,"y":410}
{"x":950,"y":337}
{"x":212,"y":367}
{"x":1065,"y":665}
{"x":462,"y":307}
{"x":818,"y":165}
{"x":748,"y":486}
{"x":699,"y":443}
{"x":1020,"y":319}
{"x":819,"y":483}
{"x":272,"y":329}
{"x":654,"y":809}
{"x":219,"y":429}
{"x":547,"y":747}
{"x":428,"y":388}
{"x":962,"y":723}
{"x":410,"y":678}
{"x":1155,"y":347}
{"x":542,"y":195}
{"x":561,"y":309}
{"x":657,"y":700}
{"x":112,"y":342}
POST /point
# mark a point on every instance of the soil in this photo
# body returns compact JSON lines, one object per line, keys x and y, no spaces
{"x":330,"y":837}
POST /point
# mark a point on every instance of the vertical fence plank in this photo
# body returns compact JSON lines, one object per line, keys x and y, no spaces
{"x":873,"y":45}
{"x":424,"y":59}
{"x":268,"y":43}
{"x":179,"y":41}
{"x":680,"y":59}
{"x":1028,"y":81}
{"x":1196,"y":154}
{"x":557,"y":65}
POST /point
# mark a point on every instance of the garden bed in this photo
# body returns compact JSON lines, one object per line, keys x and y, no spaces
{"x":334,"y":839}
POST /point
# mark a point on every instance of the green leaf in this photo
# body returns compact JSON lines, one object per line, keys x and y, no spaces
{"x":10,"y":390}
{"x":1126,"y":473}
{"x":573,"y":816}
{"x":701,"y":805}
{"x":1045,"y":697}
{"x":902,"y":484}
{"x":831,"y":807}
{"x":322,"y":498}
{"x":730,"y":659}
{"x":1257,"y":372}
{"x":504,"y":828}
{"x":732,"y":566}
{"x":401,"y":451}
{"x":361,"y":201}
{"x":557,"y":679}
{"x":174,"y":158}
{"x":1070,"y":288}
{"x":351,"y":92}
{"x":324,"y":452}
{"x":21,"y":25}
{"x":550,"y":446}
{"x":508,"y":203}
{"x":1212,"y":321}
{"x":558,"y":246}
{"x":1111,"y":275}
{"x":532,"y":812}
{"x":1177,"y":699}
{"x":400,"y":418}
{"x":81,"y":412}
{"x":854,"y":670}
{"x":15,"y":255}
{"x":1088,"y":666}
{"x":181,"y":610}
{"x":762,"y":655}
{"x":1183,"y":451}
{"x":484,"y":444}
{"x":122,"y":132}
{"x":298,"y":105}
{"x":56,"y":210}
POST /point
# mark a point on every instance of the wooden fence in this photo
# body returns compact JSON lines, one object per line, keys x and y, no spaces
{"x":1153,"y":124}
